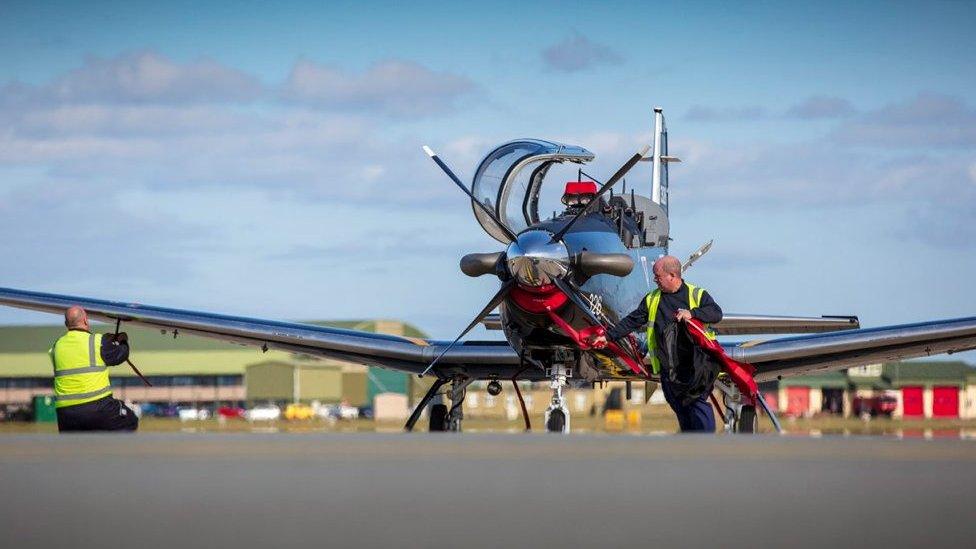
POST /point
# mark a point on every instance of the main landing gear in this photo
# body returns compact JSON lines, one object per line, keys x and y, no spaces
{"x":441,"y":417}
{"x":741,"y":415}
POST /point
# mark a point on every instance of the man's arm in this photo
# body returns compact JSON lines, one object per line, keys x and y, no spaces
{"x":114,"y":350}
{"x":636,"y":320}
{"x":707,"y":311}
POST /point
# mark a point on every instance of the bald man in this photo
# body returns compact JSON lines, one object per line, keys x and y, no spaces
{"x":673,"y":301}
{"x":82,"y":392}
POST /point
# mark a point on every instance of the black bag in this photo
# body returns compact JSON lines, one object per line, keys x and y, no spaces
{"x":688,"y":381}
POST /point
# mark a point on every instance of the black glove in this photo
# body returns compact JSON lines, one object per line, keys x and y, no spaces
{"x":121,"y":337}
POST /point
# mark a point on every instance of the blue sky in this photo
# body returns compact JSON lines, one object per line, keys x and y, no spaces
{"x":265,"y":160}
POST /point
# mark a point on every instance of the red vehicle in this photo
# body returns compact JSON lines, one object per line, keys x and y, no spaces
{"x":230,"y":412}
{"x":878,"y":405}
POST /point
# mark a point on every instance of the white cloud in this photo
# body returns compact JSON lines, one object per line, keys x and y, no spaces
{"x":395,"y":87}
{"x":926,"y":120}
{"x":140,"y":77}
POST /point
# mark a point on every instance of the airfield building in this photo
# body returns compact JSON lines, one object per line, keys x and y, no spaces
{"x":933,"y":389}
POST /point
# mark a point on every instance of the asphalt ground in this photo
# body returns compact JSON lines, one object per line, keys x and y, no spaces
{"x":484,"y":490}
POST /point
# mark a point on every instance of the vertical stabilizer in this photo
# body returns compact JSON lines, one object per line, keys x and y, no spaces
{"x":659,"y":179}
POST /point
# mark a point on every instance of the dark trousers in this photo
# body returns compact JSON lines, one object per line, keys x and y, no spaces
{"x":694,"y":417}
{"x":104,"y":414}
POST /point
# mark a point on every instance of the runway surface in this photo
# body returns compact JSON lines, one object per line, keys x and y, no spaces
{"x":481,"y":490}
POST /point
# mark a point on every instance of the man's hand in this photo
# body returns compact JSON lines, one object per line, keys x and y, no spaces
{"x":121,"y":337}
{"x":598,"y":342}
{"x":682,"y":315}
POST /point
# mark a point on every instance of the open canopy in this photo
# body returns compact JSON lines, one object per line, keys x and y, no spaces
{"x":510,"y":177}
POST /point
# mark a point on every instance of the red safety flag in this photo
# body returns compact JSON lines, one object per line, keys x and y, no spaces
{"x":741,"y":373}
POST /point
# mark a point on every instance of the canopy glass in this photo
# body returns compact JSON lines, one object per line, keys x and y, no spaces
{"x":508,"y":181}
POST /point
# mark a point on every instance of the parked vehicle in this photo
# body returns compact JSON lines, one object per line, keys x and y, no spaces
{"x":344,"y":411}
{"x":265,"y":412}
{"x":231,"y":412}
{"x":878,"y":405}
{"x":194,"y":414}
{"x":299,"y":412}
{"x":150,"y":409}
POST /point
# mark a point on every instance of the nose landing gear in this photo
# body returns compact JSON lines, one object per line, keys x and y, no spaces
{"x":557,"y":414}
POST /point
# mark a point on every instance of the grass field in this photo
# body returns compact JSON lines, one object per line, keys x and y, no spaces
{"x":655,"y":420}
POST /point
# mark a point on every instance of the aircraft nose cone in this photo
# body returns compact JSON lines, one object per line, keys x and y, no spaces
{"x":534,"y":260}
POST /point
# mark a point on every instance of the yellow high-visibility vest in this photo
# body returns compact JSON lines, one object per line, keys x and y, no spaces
{"x":653,"y":299}
{"x":80,"y":374}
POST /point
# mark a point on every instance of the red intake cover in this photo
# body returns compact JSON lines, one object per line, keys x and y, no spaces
{"x":535,"y":300}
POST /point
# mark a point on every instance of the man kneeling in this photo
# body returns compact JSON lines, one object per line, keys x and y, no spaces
{"x":82,"y":392}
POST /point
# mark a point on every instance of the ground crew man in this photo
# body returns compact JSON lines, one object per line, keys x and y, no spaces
{"x":82,"y":392}
{"x":673,"y":301}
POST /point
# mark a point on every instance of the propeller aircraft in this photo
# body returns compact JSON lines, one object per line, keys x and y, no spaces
{"x":562,"y":279}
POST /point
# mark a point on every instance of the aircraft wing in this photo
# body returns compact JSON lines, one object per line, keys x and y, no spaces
{"x":388,"y":351}
{"x":834,"y":351}
{"x":739,"y":324}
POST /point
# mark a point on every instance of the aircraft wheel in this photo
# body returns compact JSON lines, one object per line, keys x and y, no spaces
{"x":438,"y":418}
{"x":748,"y":420}
{"x":556,"y":422}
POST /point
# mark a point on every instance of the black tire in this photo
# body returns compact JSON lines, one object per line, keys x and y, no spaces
{"x":438,"y":418}
{"x":748,"y":420}
{"x":556,"y":422}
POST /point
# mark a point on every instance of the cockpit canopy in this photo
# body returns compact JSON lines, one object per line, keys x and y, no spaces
{"x":510,"y":177}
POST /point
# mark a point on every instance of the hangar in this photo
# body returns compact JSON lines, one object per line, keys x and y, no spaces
{"x":930,"y":389}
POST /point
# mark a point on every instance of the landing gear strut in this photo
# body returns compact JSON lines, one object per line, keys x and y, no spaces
{"x":735,"y":404}
{"x":741,"y":414}
{"x":442,"y":418}
{"x":557,"y":414}
{"x":431,"y":393}
{"x":459,"y":388}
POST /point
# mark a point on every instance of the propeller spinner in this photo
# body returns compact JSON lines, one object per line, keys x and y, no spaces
{"x":535,"y":260}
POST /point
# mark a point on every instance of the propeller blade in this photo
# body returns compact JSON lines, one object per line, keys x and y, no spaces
{"x":508,"y":232}
{"x":495,"y":301}
{"x":573,"y":294}
{"x":606,"y":187}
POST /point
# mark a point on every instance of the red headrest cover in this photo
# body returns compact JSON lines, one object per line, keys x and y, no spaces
{"x":580,"y":187}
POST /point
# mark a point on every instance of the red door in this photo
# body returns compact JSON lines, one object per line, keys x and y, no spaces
{"x":945,"y":402}
{"x":911,"y":399}
{"x":797,"y":401}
